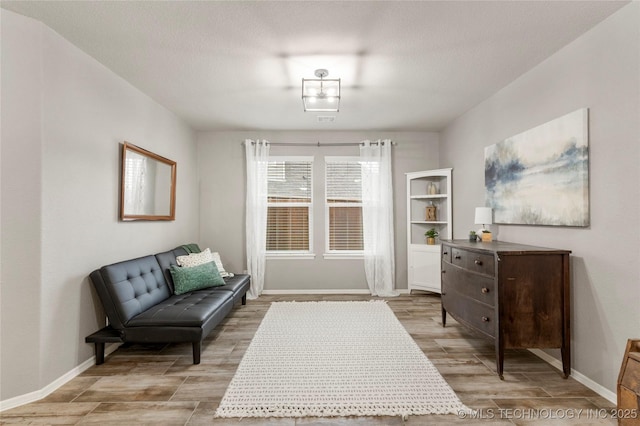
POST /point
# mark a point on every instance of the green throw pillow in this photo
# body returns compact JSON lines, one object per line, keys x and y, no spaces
{"x":195,"y":277}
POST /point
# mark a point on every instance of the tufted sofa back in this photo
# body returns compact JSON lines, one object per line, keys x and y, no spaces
{"x":166,"y":259}
{"x":129,"y":288}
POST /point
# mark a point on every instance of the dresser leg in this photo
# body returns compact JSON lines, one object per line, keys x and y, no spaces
{"x":565,"y":351}
{"x":499,"y":361}
{"x":444,"y":317}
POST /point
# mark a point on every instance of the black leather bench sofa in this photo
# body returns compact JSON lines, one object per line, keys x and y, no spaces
{"x":139,"y":301}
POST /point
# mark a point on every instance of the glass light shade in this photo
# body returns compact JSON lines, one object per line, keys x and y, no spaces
{"x":483,"y":216}
{"x":321,"y":95}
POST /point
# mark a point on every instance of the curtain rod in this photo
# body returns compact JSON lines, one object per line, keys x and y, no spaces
{"x":320,"y":144}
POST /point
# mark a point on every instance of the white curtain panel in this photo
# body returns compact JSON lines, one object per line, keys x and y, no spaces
{"x":377,"y":217}
{"x":257,"y":155}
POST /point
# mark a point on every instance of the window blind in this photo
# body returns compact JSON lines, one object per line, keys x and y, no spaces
{"x":344,"y":205}
{"x":288,"y":229}
{"x":289,"y":201}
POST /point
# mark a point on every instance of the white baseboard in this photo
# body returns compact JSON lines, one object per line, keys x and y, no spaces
{"x":579,"y":377}
{"x":324,"y":291}
{"x":68,"y":376}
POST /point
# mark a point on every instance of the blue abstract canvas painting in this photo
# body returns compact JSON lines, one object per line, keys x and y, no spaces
{"x":541,"y":176}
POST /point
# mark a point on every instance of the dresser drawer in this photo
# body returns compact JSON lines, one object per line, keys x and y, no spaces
{"x":468,"y":284}
{"x":476,"y":262}
{"x":470,"y":312}
{"x":631,"y":376}
{"x":446,"y":253}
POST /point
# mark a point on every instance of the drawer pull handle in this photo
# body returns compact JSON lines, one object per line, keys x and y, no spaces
{"x":478,"y":262}
{"x":444,"y":272}
{"x":445,"y":252}
{"x":457,"y":256}
{"x":485,"y":290}
{"x":485,"y":319}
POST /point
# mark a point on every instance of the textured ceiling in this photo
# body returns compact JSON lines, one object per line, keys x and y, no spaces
{"x":238,"y":65}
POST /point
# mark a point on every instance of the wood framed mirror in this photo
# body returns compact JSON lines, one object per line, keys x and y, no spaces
{"x":147,"y":185}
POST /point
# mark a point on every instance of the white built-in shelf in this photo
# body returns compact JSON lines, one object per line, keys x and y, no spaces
{"x":427,"y":222}
{"x":424,"y":260}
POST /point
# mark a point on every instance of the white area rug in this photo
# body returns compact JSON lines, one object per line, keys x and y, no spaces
{"x":335,"y":359}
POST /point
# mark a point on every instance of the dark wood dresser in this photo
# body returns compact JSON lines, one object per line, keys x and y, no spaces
{"x":515,"y":294}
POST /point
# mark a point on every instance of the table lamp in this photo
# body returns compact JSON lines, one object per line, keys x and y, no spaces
{"x":484,"y":217}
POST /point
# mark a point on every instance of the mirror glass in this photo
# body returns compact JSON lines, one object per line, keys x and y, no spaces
{"x":148,"y":190}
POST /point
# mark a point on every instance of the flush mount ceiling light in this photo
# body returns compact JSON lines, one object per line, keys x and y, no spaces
{"x":320,"y":94}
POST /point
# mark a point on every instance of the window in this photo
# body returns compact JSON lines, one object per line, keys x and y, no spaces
{"x":343,"y":205}
{"x":289,"y":205}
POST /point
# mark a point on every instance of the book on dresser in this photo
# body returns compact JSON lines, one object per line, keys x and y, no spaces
{"x":514,"y":294}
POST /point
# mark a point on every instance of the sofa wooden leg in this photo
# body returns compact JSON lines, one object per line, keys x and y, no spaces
{"x":244,"y":299}
{"x":197,"y":346}
{"x":99,"y":353}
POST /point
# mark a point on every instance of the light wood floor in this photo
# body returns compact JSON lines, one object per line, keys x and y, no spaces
{"x":160,"y":385}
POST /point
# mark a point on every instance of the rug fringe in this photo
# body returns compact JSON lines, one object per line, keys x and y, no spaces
{"x":291,"y":412}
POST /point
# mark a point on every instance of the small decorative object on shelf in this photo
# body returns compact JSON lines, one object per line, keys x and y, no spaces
{"x":473,"y":237}
{"x":431,"y":212}
{"x":431,"y":235}
{"x":432,"y":189}
{"x":486,"y":236}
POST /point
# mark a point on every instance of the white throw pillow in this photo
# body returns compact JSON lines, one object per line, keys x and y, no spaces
{"x":195,"y":259}
{"x":216,"y":258}
{"x":205,"y":256}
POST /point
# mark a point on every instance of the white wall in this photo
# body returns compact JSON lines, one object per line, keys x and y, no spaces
{"x":64,"y":116}
{"x":600,"y":71}
{"x":21,"y":205}
{"x":221,"y":163}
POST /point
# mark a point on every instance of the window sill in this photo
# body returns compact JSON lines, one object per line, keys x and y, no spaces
{"x":291,"y":256}
{"x":343,"y":256}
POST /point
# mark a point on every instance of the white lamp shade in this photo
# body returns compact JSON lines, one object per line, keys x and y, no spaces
{"x":483,"y":216}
